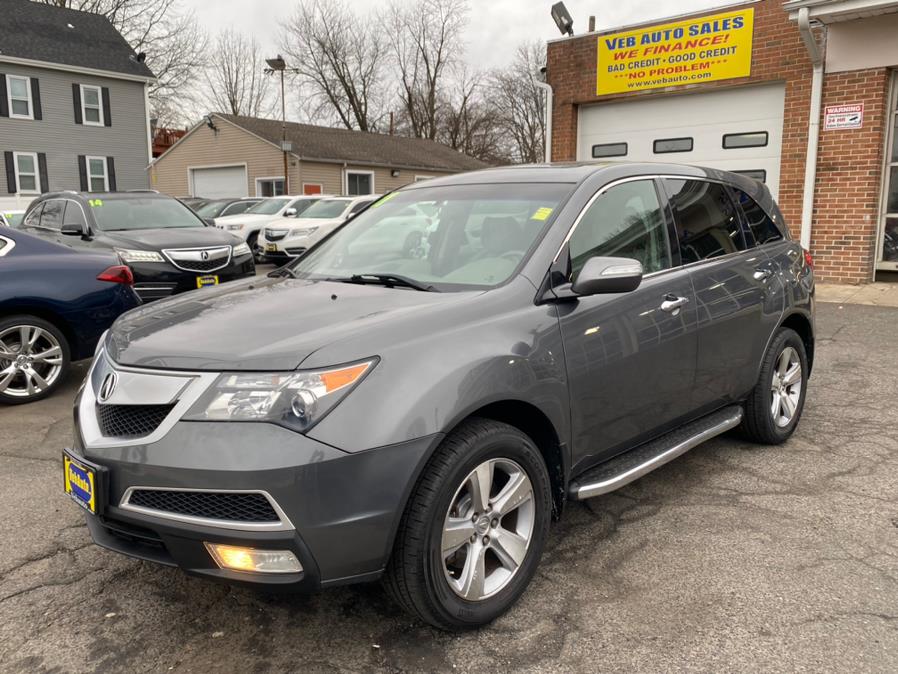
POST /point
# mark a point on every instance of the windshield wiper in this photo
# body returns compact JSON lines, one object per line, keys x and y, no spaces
{"x":282,"y":271}
{"x":388,"y":280}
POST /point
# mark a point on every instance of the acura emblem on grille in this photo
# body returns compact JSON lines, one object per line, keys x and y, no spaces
{"x":204,"y":254}
{"x":107,"y":387}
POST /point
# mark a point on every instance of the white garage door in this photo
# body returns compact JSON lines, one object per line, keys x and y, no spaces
{"x":736,"y":129}
{"x":223,"y":181}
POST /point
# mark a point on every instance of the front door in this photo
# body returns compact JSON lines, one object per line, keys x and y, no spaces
{"x":630,"y":356}
{"x":735,"y":289}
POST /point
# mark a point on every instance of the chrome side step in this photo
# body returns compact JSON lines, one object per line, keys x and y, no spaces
{"x":632,"y":465}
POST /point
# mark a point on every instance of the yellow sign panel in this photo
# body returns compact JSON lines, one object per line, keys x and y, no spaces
{"x":685,"y":52}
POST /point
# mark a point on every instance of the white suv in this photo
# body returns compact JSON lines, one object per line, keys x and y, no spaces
{"x":249,"y":224}
{"x":282,"y":241}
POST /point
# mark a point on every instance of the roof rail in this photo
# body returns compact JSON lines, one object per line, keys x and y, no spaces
{"x":153,"y":191}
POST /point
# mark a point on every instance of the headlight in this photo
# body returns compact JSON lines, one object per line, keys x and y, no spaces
{"x":139,"y":255}
{"x":234,"y":228}
{"x":296,"y":400}
{"x":303,"y":231}
{"x":241,"y":249}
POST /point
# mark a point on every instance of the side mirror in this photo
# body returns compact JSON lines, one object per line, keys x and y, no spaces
{"x":608,"y":275}
{"x":290,"y":213}
{"x":210,"y":222}
{"x":73,"y":230}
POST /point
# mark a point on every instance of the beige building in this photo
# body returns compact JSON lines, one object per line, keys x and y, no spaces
{"x":233,"y":156}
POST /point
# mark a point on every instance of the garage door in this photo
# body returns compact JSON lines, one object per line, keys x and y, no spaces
{"x":223,"y":181}
{"x":736,"y":129}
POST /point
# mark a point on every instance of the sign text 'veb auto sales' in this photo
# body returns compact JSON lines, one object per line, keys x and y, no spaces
{"x":702,"y":50}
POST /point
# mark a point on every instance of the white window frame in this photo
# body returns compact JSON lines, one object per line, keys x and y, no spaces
{"x":84,"y":105}
{"x":262,"y":179}
{"x":9,"y":97}
{"x":37,"y":172}
{"x":349,"y":172}
{"x":87,"y":161}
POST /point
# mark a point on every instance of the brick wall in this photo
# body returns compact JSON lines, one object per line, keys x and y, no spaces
{"x":778,"y":55}
{"x":849,"y":175}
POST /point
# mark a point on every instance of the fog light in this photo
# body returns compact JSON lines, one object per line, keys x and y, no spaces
{"x":238,"y":558}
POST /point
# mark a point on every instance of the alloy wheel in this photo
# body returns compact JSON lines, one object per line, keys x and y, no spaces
{"x":488,"y":529}
{"x":786,"y":387}
{"x":30,"y":360}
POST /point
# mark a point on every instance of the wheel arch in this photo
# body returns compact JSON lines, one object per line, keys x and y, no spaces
{"x":48,"y":315}
{"x":802,"y":325}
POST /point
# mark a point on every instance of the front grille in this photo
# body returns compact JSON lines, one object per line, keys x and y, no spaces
{"x":275,"y":234}
{"x":227,"y":506}
{"x":130,"y":421}
{"x":191,"y":259}
{"x":199,"y":265}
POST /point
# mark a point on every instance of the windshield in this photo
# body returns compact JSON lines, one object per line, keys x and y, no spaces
{"x":212,"y":209}
{"x":268,"y":206}
{"x":326,"y":208}
{"x":142,"y":213}
{"x":14,"y":219}
{"x":450,"y":237}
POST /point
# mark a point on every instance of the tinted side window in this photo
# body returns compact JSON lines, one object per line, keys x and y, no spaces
{"x":625,"y":221}
{"x":51,"y":217}
{"x":236,"y":208}
{"x":33,"y":219}
{"x":761,"y":225}
{"x":359,"y":206}
{"x":707,"y":224}
{"x":74,"y":215}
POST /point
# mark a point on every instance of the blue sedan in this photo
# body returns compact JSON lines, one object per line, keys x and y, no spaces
{"x":55,"y":303}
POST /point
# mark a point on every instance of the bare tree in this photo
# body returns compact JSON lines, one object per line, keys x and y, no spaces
{"x":340,"y":56}
{"x":426,"y":41}
{"x":469,"y":122}
{"x":520,"y":104}
{"x":233,"y":80}
{"x":171,"y":39}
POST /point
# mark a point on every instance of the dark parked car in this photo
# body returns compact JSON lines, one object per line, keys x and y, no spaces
{"x":169,"y":248}
{"x":55,"y":304}
{"x":422,"y":413}
{"x":218,"y":208}
{"x":193,"y":203}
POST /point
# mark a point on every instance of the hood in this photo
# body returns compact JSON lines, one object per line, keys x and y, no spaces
{"x":171,"y":237}
{"x":268,"y":323}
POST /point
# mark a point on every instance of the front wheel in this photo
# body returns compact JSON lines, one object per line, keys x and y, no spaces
{"x":774,"y":407}
{"x":474,"y":528}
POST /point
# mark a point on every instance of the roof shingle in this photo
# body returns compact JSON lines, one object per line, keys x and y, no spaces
{"x":328,"y":144}
{"x":40,"y":32}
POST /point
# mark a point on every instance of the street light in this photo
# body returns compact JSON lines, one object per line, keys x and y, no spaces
{"x":562,"y":19}
{"x":278,"y":65}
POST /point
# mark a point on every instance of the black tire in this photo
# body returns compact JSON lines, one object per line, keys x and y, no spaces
{"x":251,"y":241}
{"x":415,"y":576}
{"x":758,"y":422}
{"x":33,"y":321}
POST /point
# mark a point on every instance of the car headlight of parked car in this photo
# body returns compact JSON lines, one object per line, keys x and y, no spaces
{"x":234,"y":228}
{"x":295,"y":400}
{"x":241,"y":249}
{"x":303,"y":231}
{"x":139,"y":255}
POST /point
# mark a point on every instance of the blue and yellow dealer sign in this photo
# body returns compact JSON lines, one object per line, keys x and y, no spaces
{"x":685,"y":52}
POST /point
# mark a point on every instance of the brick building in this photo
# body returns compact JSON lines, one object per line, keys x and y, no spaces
{"x":800,"y":94}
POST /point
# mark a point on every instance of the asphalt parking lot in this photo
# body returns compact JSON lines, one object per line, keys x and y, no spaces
{"x":735,"y":557}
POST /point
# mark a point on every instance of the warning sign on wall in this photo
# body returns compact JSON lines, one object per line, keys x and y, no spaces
{"x":843,"y":116}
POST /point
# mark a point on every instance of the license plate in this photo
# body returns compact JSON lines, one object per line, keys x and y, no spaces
{"x":271,"y":248}
{"x":80,"y":483}
{"x":203,"y":281}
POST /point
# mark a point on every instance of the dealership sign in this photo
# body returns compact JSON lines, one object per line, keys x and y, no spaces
{"x":685,"y":52}
{"x":843,"y":116}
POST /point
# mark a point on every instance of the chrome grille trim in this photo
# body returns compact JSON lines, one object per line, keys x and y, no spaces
{"x":283,"y":525}
{"x":182,"y":257}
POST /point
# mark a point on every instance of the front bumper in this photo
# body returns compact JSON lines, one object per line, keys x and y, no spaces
{"x":157,"y":280}
{"x":342,"y":509}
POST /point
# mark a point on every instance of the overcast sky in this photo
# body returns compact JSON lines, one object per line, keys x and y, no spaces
{"x":495,"y":27}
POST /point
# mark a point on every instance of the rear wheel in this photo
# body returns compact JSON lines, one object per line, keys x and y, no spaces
{"x":774,"y":407}
{"x":474,"y":529}
{"x":34,"y":357}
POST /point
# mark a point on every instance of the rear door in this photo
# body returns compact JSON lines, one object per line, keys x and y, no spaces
{"x":630,"y":362}
{"x":736,"y":307}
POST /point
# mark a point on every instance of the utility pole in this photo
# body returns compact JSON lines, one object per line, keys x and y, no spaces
{"x":278,"y":65}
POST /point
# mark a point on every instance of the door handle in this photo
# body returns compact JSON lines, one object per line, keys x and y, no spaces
{"x":673,"y":304}
{"x":762,"y":274}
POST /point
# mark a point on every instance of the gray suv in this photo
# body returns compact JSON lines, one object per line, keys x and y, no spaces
{"x":421,"y":413}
